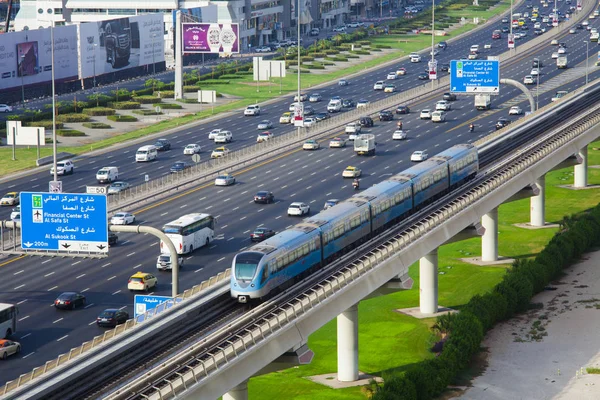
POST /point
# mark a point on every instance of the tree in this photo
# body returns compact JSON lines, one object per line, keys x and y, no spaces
{"x":443,"y":325}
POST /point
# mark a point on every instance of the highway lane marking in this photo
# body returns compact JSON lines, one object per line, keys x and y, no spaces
{"x":75,"y":263}
{"x":11,"y":261}
{"x":44,"y":262}
{"x":246,"y":231}
{"x":24,"y":336}
{"x":163,"y":214}
{"x":127,"y":241}
{"x":91,"y":323}
{"x":224,"y":226}
{"x":22,"y":301}
{"x":137,"y":266}
{"x":279,"y":216}
{"x":227,"y":199}
{"x":231,"y":238}
{"x":19,"y":272}
{"x":64,"y":337}
{"x":117,"y":292}
{"x":130,"y":254}
{"x":203,"y":198}
{"x":80,"y":276}
{"x":111,"y":278}
{"x":58,"y":320}
{"x":85,"y":290}
{"x":235,"y":209}
{"x":52,"y":288}
{"x":24,"y":318}
{"x":105,"y":265}
{"x":88,"y":306}
{"x":221,"y":259}
{"x":244,"y":192}
{"x":209,"y":207}
{"x":183,"y":206}
{"x":153,"y":244}
{"x":33,"y":352}
{"x":19,"y":287}
{"x":212,"y":247}
{"x":122,"y":308}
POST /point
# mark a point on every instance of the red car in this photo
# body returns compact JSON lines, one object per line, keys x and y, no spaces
{"x":261,"y":234}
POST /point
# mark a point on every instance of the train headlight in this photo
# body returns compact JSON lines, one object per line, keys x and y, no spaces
{"x":252,"y":285}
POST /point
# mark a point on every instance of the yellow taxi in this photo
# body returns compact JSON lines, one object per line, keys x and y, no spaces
{"x":351,"y":172}
{"x":286,"y":118}
{"x":142,"y":281}
{"x":219,"y":152}
{"x":10,"y":199}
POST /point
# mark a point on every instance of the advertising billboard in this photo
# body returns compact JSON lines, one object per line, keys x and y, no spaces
{"x":116,"y":44}
{"x":210,"y":38}
{"x":25,"y":56}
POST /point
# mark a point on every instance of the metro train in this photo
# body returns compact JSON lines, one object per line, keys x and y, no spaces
{"x":283,"y":259}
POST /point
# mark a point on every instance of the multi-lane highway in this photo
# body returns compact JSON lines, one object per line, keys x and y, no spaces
{"x":311,"y":177}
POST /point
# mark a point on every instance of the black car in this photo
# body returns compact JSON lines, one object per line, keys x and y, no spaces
{"x":366,"y":122}
{"x":308,"y":110}
{"x":505,"y":29}
{"x":402,"y":110}
{"x":449,"y":96}
{"x":579,"y":26}
{"x":537,"y":31}
{"x":348,"y":103}
{"x":537,"y":63}
{"x":444,"y":67}
{"x":162,"y":145}
{"x":69,"y":301}
{"x":525,"y":27}
{"x":179,"y":166}
{"x":442,"y":45}
{"x":112,"y":317}
{"x":264,"y":197}
{"x":261,"y":234}
{"x":112,"y":238}
{"x":386,"y":115}
{"x":321,"y":116}
{"x":423,"y":76}
{"x":502,"y":122}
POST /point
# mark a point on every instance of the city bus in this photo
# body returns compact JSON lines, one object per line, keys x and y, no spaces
{"x":8,"y":320}
{"x":189,"y":232}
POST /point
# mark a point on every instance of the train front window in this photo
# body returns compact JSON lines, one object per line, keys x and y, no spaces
{"x":246,"y":265}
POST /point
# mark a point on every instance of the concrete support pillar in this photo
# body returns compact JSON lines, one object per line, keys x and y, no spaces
{"x":581,"y":169}
{"x":347,"y":339}
{"x":240,"y":392}
{"x":489,"y":240}
{"x":428,"y":283}
{"x":538,"y":203}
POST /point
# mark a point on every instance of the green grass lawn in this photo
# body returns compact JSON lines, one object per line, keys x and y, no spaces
{"x":390,"y":341}
{"x":246,"y":91}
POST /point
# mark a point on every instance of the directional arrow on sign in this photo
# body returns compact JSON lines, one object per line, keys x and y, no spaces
{"x":101,"y":247}
{"x":28,"y":244}
{"x":66,"y":245}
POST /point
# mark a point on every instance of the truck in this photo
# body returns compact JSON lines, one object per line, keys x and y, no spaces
{"x":117,"y":42}
{"x":364,"y":145}
{"x":483,"y":101}
{"x":561,"y":62}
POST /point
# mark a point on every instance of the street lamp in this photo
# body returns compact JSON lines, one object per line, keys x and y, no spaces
{"x":153,"y":63}
{"x":22,"y":84}
{"x":299,"y":62}
{"x":587,"y":60}
{"x":432,"y":39}
{"x":95,"y":45}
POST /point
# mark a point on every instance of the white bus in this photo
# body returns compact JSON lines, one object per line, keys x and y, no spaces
{"x":189,"y":232}
{"x":8,"y":320}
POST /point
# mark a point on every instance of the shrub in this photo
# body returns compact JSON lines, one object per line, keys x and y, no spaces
{"x":364,"y":42}
{"x":307,"y":59}
{"x":288,"y":63}
{"x":97,"y":111}
{"x":331,"y":52}
{"x":351,"y":56}
{"x":191,"y":88}
{"x":69,"y":132}
{"x":73,"y":118}
{"x":382,"y":46}
{"x":327,"y":63}
{"x":232,"y":76}
{"x":336,"y":59}
{"x":314,"y":66}
{"x":96,"y":125}
{"x":122,"y":118}
{"x":169,"y":106}
{"x":125,"y":105}
{"x":213,"y":82}
{"x":146,"y":99}
{"x":165,"y":94}
{"x":146,"y":112}
{"x":361,"y":52}
{"x":47,"y":124}
{"x":318,"y":54}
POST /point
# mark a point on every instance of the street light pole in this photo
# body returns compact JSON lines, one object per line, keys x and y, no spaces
{"x":299,"y":63}
{"x":587,"y":60}
{"x":537,"y":90}
{"x":22,"y":84}
{"x":153,"y":62}
{"x":53,"y":104}
{"x":95,"y":45}
{"x":432,"y":37}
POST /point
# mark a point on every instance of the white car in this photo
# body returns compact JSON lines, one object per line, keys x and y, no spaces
{"x":425,"y":114}
{"x":585,"y":23}
{"x":438,"y":116}
{"x":528,"y":80}
{"x":474,"y":48}
{"x":399,"y":135}
{"x":415,"y":58}
{"x":515,"y":110}
{"x":5,"y":108}
{"x":252,"y":110}
{"x":392,"y":76}
{"x":213,"y":134}
{"x":434,"y":52}
{"x":15,"y":214}
{"x":122,"y":218}
{"x":309,"y":121}
{"x":63,"y":167}
{"x":389,"y":88}
{"x":418,"y":156}
{"x":298,"y":209}
{"x":310,"y":145}
{"x":572,"y":31}
{"x":339,"y":29}
{"x":559,"y":95}
{"x":264,"y":124}
{"x":362,"y":103}
{"x":224,"y":137}
{"x":473,"y":56}
{"x":443,"y":105}
{"x":337,"y":142}
{"x":224,"y":180}
{"x":554,"y":42}
{"x":315,"y":98}
{"x":378,"y":85}
{"x":10,"y":199}
{"x":562,"y":50}
{"x":191,"y":149}
{"x":554,"y":55}
{"x":292,"y":107}
{"x":303,"y":97}
{"x":353,"y":127}
{"x":534,"y":72}
{"x":263,"y":136}
{"x":351,"y":172}
{"x":219,"y":152}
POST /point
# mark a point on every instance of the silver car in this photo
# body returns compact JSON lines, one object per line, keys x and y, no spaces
{"x":9,"y":347}
{"x":266,"y":124}
{"x":5,"y":108}
{"x":118,"y":187}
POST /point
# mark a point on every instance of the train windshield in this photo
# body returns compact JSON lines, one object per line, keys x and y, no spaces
{"x":246,"y":265}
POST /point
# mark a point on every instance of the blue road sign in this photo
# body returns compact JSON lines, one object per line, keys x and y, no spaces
{"x":64,"y":222}
{"x":475,"y":76}
{"x":145,"y":303}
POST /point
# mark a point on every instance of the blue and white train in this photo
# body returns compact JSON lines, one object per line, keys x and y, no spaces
{"x":285,"y":258}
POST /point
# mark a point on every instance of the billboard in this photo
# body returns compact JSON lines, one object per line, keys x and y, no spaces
{"x":211,"y":38}
{"x":116,"y":44}
{"x":26,"y":59}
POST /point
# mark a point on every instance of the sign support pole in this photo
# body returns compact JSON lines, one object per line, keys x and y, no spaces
{"x":14,"y":146}
{"x":38,"y":144}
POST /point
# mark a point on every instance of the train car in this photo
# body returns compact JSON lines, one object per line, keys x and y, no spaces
{"x":389,"y":201}
{"x":428,"y":179}
{"x":342,"y":226}
{"x":275,"y":263}
{"x":462,"y":161}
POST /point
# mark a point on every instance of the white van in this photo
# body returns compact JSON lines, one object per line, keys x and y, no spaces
{"x":334,"y":106}
{"x":146,"y":153}
{"x":107,"y":174}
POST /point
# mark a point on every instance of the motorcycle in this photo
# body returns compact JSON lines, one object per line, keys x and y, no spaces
{"x":471,"y":128}
{"x":355,"y":184}
{"x":399,"y":125}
